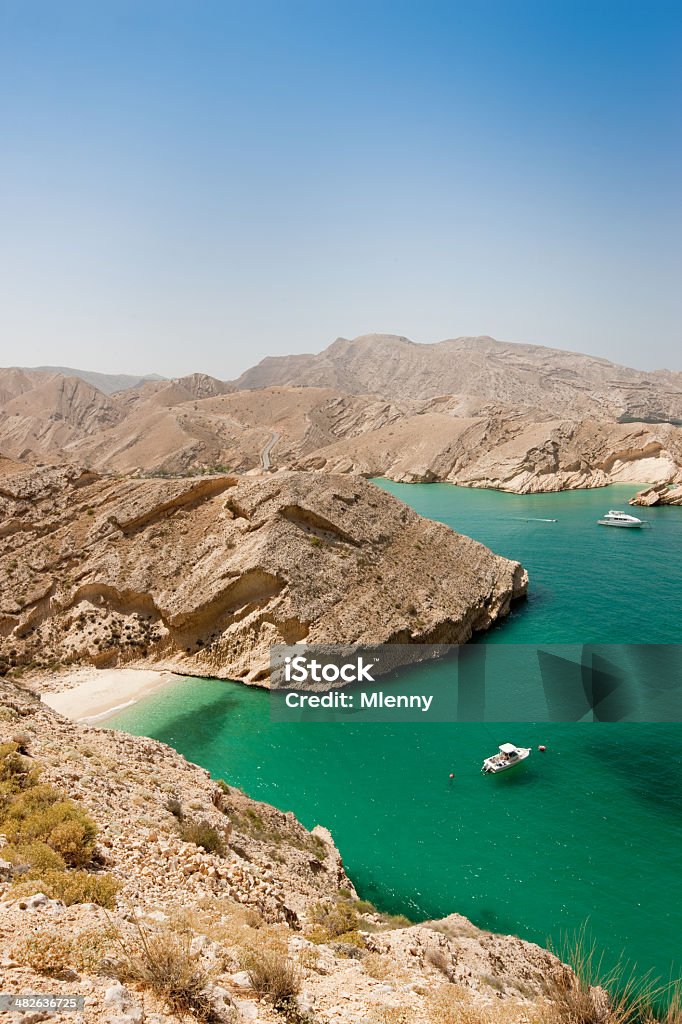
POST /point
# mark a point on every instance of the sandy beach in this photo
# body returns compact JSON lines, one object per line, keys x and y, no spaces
{"x":91,"y":694}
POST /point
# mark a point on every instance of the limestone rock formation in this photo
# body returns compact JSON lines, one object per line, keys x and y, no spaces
{"x":660,"y":494}
{"x":203,"y":575}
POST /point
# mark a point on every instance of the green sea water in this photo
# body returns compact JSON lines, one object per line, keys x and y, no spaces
{"x":589,"y":831}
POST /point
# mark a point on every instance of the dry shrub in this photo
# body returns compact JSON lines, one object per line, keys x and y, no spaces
{"x":15,"y":769}
{"x":391,"y":1015}
{"x":452,"y":1004}
{"x":309,"y":958}
{"x":377,"y":966}
{"x":73,"y":887}
{"x":40,"y":813}
{"x":164,"y":963}
{"x":439,"y":959}
{"x":53,"y":953}
{"x":238,"y":929}
{"x":335,"y":919}
{"x":446,"y":1004}
{"x":47,"y":953}
{"x":74,"y":840}
{"x":273,"y":976}
{"x":672,"y":997}
{"x":33,"y":858}
{"x":202,"y":834}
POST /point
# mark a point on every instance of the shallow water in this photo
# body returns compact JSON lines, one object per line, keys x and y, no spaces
{"x":592,"y":829}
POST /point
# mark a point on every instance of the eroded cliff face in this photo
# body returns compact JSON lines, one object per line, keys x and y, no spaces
{"x":273,"y":890}
{"x":506,"y":451}
{"x":203,"y":575}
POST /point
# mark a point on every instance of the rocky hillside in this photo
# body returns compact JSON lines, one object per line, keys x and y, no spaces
{"x":562,"y":383}
{"x":199,"y":424}
{"x":164,"y":895}
{"x":203,"y":575}
{"x":507,"y":451}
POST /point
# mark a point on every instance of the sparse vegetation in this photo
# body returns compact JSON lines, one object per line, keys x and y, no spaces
{"x":377,"y":966}
{"x":41,"y":813}
{"x":81,"y":887}
{"x":164,"y":963}
{"x":337,"y":920}
{"x":174,"y":806}
{"x":30,"y":859}
{"x":595,"y":993}
{"x":52,"y":953}
{"x":51,"y":839}
{"x":202,"y":834}
{"x":273,"y":976}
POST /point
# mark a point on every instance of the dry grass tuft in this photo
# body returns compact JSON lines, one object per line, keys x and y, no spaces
{"x":273,"y":976}
{"x":594,"y":993}
{"x":164,"y":963}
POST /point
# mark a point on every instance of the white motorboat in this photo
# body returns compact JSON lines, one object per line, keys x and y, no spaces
{"x":507,"y":757}
{"x":614,"y":518}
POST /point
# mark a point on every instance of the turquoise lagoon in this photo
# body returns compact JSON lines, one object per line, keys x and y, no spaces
{"x":589,"y":831}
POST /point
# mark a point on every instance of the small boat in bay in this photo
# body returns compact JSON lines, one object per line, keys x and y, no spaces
{"x":508,"y":756}
{"x":615,"y":518}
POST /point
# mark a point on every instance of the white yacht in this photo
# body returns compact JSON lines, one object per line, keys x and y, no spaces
{"x":507,"y":756}
{"x":614,"y":518}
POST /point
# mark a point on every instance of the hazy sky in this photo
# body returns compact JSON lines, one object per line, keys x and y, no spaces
{"x":195,"y":184}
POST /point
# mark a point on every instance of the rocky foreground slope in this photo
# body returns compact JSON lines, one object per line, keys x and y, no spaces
{"x":203,"y":575}
{"x":191,"y":891}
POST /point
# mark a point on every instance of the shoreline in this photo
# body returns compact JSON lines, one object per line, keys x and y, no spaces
{"x":95,"y":694}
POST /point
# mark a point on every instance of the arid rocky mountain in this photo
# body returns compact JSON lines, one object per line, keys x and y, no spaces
{"x":193,"y":902}
{"x":202,"y":576}
{"x":109,"y":383}
{"x":564,"y":384}
{"x":168,"y":428}
{"x":529,"y":420}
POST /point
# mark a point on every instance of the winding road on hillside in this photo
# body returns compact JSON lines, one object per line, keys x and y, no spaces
{"x":265,"y":454}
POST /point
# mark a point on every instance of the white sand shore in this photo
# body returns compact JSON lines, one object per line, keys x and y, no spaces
{"x":97,"y":693}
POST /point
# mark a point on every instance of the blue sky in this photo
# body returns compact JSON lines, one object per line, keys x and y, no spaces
{"x":195,"y":185}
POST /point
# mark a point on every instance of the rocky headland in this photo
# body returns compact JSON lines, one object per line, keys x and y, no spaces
{"x":202,"y":575}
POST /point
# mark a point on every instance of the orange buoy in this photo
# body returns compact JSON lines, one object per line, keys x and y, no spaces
{"x":452,"y":775}
{"x":542,"y":747}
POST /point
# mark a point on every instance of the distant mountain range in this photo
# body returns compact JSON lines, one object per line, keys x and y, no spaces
{"x":521,"y":375}
{"x":109,"y":383}
{"x":472,"y":411}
